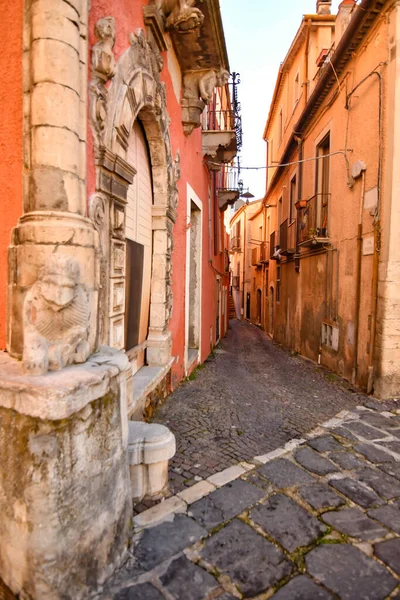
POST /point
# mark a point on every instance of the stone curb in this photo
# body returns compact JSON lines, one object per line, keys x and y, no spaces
{"x":178,"y":504}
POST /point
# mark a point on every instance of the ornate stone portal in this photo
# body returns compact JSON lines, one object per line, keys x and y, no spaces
{"x":136,"y":91}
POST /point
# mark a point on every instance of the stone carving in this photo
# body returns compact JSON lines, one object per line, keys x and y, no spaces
{"x":181,"y":15}
{"x":103,"y":69}
{"x":198,"y":88}
{"x":56,"y":318}
{"x":98,"y":213}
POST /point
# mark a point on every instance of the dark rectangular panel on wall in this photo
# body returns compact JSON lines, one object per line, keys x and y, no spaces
{"x":134,"y":282}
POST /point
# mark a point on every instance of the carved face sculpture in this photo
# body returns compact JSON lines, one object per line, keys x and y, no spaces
{"x":58,"y":281}
{"x":222,"y":78}
{"x":105,"y":29}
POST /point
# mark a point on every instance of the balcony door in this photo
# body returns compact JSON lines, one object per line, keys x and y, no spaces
{"x":323,"y":186}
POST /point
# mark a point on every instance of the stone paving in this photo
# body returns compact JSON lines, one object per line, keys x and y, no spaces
{"x":316,"y":519}
{"x":250,"y":398}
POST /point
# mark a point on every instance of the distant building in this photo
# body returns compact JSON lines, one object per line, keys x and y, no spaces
{"x":332,"y":284}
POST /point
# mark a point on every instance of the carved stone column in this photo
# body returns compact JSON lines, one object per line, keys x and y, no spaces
{"x":64,"y":486}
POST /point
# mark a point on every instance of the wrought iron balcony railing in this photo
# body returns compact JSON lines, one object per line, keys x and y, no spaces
{"x":313,"y":220}
{"x":218,"y":120}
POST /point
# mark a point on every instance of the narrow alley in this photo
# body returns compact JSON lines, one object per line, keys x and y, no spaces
{"x":286,"y":485}
{"x":250,"y":398}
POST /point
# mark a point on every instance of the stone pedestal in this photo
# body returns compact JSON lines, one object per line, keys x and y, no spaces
{"x":65,"y":498}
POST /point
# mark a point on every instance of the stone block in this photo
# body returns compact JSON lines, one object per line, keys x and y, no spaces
{"x":196,"y":492}
{"x":319,"y":495}
{"x":56,"y":147}
{"x":347,"y":460}
{"x":314,"y":462}
{"x":283,"y":473}
{"x":373,"y":453}
{"x":290,"y":524}
{"x":155,"y":515}
{"x":355,"y":523}
{"x":52,"y":188}
{"x":386,"y":486}
{"x":56,"y":21}
{"x":302,"y":588}
{"x":251,"y":561}
{"x":56,"y":62}
{"x":226,"y":475}
{"x":64,"y":498}
{"x":183,"y":578}
{"x":142,"y":591}
{"x":225,"y":503}
{"x":325,"y":443}
{"x":156,"y":544}
{"x":388,"y":516}
{"x":55,"y":105}
{"x":349,"y":573}
{"x":357,"y":492}
{"x":389,"y":553}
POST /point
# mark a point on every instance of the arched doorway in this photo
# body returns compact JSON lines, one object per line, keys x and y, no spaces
{"x":138,"y":235}
{"x":258,"y":307}
{"x":271,"y":311}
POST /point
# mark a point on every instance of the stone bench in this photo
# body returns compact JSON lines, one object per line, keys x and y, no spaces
{"x":150,"y":447}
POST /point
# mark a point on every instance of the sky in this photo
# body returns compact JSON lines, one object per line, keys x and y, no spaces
{"x":258,"y":39}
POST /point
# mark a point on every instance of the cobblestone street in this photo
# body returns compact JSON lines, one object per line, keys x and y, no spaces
{"x":318,"y":519}
{"x":249,"y":399}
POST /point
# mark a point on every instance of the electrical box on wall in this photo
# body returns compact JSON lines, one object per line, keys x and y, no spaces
{"x":330,"y":336}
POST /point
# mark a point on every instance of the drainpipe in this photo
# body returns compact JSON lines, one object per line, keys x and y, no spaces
{"x":358,"y":281}
{"x":300,"y":143}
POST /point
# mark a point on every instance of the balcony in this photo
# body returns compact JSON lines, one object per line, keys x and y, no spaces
{"x":274,"y":247}
{"x":260,"y":254}
{"x":264,"y":248}
{"x":287,"y":237}
{"x":219,"y":136}
{"x":313,"y":221}
{"x":228,"y":188}
{"x":236,"y":243}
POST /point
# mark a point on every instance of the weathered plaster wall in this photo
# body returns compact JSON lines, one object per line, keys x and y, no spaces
{"x":10,"y":139}
{"x":325,"y":287}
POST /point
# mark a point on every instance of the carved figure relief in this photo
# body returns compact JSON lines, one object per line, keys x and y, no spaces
{"x":198,"y":88}
{"x":103,"y":69}
{"x":181,"y":15}
{"x":56,"y":318}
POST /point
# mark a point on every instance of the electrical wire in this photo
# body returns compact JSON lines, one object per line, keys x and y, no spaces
{"x":288,"y":164}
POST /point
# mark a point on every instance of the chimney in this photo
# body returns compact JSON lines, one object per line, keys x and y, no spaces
{"x":324,"y":7}
{"x":343,"y":18}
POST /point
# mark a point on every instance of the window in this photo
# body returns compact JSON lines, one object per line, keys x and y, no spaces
{"x":280,"y":208}
{"x":280,"y":126}
{"x":271,"y":152}
{"x":323,"y":185}
{"x":292,"y":207}
{"x":296,"y":88}
{"x":278,"y":284}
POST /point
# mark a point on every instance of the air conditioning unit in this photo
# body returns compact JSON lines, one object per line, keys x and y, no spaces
{"x":235,"y":281}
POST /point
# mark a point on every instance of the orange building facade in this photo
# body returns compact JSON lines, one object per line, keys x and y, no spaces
{"x":331,"y":207}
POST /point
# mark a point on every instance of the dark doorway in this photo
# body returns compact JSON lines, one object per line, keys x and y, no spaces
{"x":247,"y":305}
{"x":134,"y":283}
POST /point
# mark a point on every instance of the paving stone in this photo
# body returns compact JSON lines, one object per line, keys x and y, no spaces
{"x":392,"y":469}
{"x":394,"y":446}
{"x":320,"y":495}
{"x":349,"y":572}
{"x":347,"y":460}
{"x":314,"y":462}
{"x":144,"y":591}
{"x":260,"y":482}
{"x":356,"y":492}
{"x":386,"y":486}
{"x":227,"y":475}
{"x":283,"y":473}
{"x":387,"y":515}
{"x":225,"y":597}
{"x":385,"y":423}
{"x":345,"y":433}
{"x":301,"y":588}
{"x":373,"y":453}
{"x":155,"y":545}
{"x":366,"y":431}
{"x":159,"y":512}
{"x":355,"y":523}
{"x":197,"y":491}
{"x":290,"y":524}
{"x":225,"y":503}
{"x":185,"y":580}
{"x":325,"y":443}
{"x":251,"y":561}
{"x":389,"y":553}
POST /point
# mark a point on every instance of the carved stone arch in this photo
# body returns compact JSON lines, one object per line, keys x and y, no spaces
{"x":137,"y":92}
